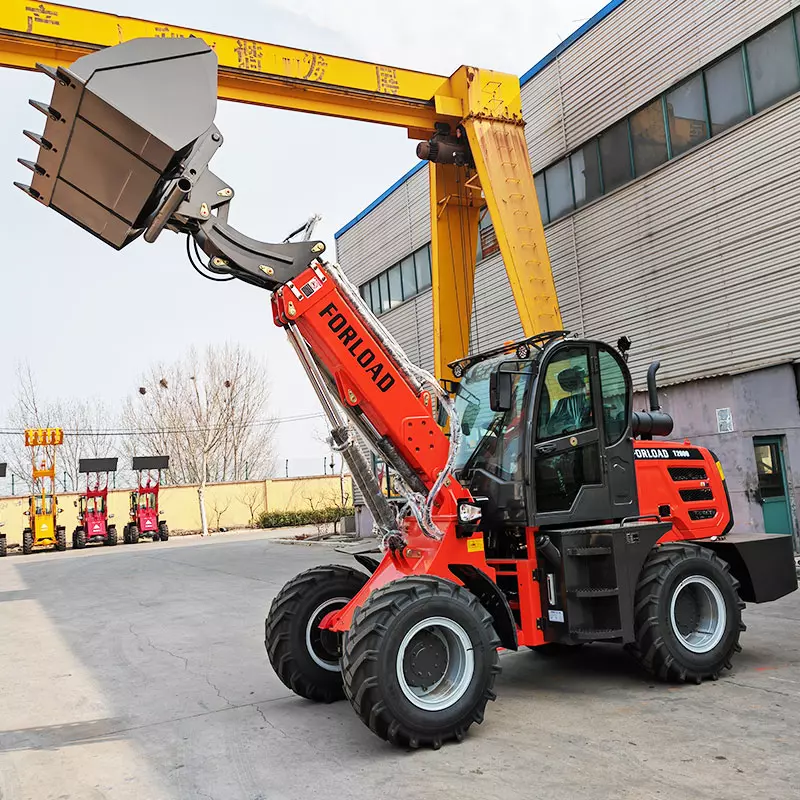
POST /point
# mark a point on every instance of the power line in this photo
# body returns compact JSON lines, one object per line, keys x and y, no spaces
{"x":182,"y":429}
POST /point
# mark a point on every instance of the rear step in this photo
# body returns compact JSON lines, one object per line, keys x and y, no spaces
{"x":589,"y":551}
{"x":590,"y":634}
{"x":612,"y":591}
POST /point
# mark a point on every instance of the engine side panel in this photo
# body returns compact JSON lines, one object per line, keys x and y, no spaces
{"x":685,"y":484}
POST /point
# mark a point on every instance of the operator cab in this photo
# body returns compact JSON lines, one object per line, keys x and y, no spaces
{"x":546,"y":435}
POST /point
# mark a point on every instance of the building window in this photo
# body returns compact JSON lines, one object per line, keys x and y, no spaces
{"x":541,"y":196}
{"x":559,"y":189}
{"x":487,"y":238}
{"x":615,"y":155}
{"x":586,"y":181}
{"x":395,"y":286}
{"x":727,"y":92}
{"x":422,"y":263}
{"x":772,"y":61}
{"x":383,"y":285}
{"x":751,"y":77}
{"x":648,"y":137}
{"x":400,"y":282}
{"x":686,"y":112}
{"x":409,"y":277}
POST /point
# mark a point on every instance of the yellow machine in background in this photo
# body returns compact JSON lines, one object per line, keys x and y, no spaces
{"x":43,"y":529}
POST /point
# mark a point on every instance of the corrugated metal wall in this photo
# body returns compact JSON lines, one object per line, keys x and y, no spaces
{"x":642,"y":48}
{"x":699,"y":262}
{"x":398,"y":226}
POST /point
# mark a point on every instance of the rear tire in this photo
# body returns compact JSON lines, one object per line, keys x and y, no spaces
{"x":163,"y":531}
{"x":79,"y":539}
{"x":420,"y":661}
{"x":111,"y":536}
{"x":27,"y":541}
{"x":688,"y":615}
{"x":3,"y":547}
{"x":305,"y":658}
{"x":61,"y":538}
{"x":133,"y":534}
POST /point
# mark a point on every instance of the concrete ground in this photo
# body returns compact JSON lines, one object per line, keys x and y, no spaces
{"x":140,"y":672}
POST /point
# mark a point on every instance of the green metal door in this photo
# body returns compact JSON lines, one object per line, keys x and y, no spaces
{"x":772,"y":488}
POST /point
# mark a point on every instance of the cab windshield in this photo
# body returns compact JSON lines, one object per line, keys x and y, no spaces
{"x":491,"y":440}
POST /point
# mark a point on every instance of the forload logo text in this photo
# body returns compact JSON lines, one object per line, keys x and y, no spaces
{"x":365,"y":358}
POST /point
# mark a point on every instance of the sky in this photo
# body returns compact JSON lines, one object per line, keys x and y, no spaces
{"x":89,"y":320}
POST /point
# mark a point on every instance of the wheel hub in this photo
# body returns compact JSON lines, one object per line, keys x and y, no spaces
{"x":697,"y":614}
{"x":426,"y":660}
{"x":435,"y":663}
{"x":324,"y":645}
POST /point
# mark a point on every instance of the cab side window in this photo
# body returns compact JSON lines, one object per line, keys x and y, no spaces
{"x":566,"y":400}
{"x":614,"y":391}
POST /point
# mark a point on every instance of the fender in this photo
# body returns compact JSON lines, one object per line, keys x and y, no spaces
{"x":492,"y":599}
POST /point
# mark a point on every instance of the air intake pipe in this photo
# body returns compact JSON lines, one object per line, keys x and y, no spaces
{"x":647,"y":424}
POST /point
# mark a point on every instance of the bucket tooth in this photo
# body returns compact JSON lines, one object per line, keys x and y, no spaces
{"x":28,"y":190}
{"x":58,"y":74}
{"x":49,"y":71}
{"x":47,"y":110}
{"x":40,"y":140}
{"x":32,"y":166}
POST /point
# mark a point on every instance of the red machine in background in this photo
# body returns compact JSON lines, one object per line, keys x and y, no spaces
{"x":144,"y":501}
{"x":93,"y":517}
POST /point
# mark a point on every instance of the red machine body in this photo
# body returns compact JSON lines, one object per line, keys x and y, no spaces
{"x":93,"y":517}
{"x":145,"y":514}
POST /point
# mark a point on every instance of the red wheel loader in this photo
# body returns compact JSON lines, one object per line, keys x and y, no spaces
{"x":93,"y":525}
{"x":549,"y":516}
{"x":145,"y":515}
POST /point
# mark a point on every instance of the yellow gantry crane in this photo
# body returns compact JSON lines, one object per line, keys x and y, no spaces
{"x":482,"y":105}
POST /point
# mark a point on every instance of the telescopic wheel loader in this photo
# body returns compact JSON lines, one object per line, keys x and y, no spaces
{"x":549,"y":516}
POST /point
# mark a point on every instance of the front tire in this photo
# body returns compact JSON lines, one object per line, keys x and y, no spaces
{"x":163,"y":531}
{"x":61,"y":539}
{"x":111,"y":536}
{"x":3,"y":547}
{"x":79,"y":539}
{"x":420,"y":661}
{"x":688,"y":615}
{"x":133,"y":534}
{"x":27,"y":541}
{"x":305,"y":658}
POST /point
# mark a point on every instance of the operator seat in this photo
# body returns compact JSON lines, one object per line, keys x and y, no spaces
{"x":573,"y":412}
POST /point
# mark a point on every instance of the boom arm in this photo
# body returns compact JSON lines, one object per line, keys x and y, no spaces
{"x":122,"y":158}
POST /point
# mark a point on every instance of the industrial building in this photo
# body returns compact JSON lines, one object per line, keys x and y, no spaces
{"x":665,"y":144}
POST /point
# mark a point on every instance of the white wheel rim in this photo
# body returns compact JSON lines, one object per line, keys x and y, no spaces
{"x":333,"y":604}
{"x":457,"y":670}
{"x":702,"y":611}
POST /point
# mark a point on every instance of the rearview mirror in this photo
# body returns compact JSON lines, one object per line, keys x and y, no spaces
{"x":500,"y":390}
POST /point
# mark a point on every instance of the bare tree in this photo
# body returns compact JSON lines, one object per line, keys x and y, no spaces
{"x":221,"y":505}
{"x":208,"y":414}
{"x":253,"y":498}
{"x":83,"y":420}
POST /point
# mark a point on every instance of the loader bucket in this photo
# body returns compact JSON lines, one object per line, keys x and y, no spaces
{"x":118,"y":123}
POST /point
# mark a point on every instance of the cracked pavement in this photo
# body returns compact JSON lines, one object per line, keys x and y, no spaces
{"x":140,"y":672}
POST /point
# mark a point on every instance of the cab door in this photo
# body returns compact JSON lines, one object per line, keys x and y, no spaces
{"x":582,"y":459}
